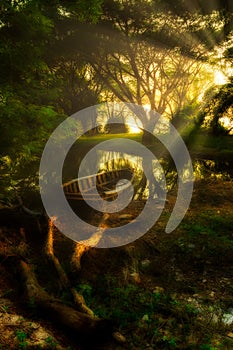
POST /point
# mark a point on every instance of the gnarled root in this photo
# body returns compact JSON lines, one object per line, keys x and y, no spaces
{"x":79,"y":251}
{"x":76,"y":323}
{"x":78,"y":299}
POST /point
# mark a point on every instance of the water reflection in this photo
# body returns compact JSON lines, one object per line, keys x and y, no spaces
{"x":162,"y":178}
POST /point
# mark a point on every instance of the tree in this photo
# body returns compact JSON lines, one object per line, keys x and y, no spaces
{"x":76,"y":83}
{"x":27,"y":119}
{"x":30,"y":83}
{"x":26,"y":114}
{"x":140,"y":73}
{"x":136,"y":66}
{"x":217,"y":112}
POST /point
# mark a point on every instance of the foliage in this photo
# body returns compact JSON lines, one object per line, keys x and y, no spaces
{"x":85,"y":11}
{"x":165,"y":321}
{"x":51,"y":342}
{"x":22,"y":336}
{"x":218,"y":106}
{"x":25,"y":130}
{"x":29,"y":89}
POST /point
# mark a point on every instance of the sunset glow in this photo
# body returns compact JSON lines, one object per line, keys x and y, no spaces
{"x":220,"y":78}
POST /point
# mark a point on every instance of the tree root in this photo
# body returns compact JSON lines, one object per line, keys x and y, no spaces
{"x":81,"y":325}
{"x":76,"y":323}
{"x":78,"y":299}
{"x":79,"y":251}
{"x":27,"y":210}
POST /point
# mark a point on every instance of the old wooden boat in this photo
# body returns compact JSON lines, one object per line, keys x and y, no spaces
{"x":105,"y":182}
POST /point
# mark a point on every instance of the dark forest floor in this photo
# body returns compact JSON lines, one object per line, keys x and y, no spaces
{"x":164,"y":291}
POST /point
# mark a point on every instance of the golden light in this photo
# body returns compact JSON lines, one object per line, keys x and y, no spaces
{"x":134,"y":126}
{"x":133,"y":129}
{"x":219,"y":78}
{"x":147,"y":107}
{"x":227,"y":123}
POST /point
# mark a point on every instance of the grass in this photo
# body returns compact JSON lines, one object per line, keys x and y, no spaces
{"x":163,"y":320}
{"x":52,"y":344}
{"x":102,"y":137}
{"x":90,"y":142}
{"x":214,"y":147}
{"x":211,"y":236}
{"x":203,"y":142}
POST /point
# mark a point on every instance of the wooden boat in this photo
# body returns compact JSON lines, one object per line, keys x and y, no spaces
{"x":105,"y":183}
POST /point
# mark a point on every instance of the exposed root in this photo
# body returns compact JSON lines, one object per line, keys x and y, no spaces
{"x":80,"y":302}
{"x":75,"y":322}
{"x":78,"y":299}
{"x":27,"y":210}
{"x":79,"y":250}
{"x":49,"y":251}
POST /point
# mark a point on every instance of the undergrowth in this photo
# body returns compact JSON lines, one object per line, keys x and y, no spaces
{"x":153,"y":318}
{"x":161,"y":319}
